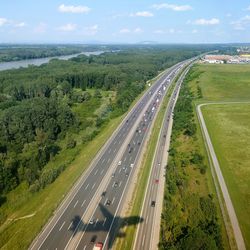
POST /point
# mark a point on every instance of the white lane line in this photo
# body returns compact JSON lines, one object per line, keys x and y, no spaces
{"x":103,"y":160}
{"x":83,"y":203}
{"x":70,"y":225}
{"x":119,"y":142}
{"x":108,"y":160}
{"x":143,"y":240}
{"x":104,"y":221}
{"x":84,"y":247}
{"x":109,"y":150}
{"x":120,"y":183}
{"x":101,"y":172}
{"x":86,"y":187}
{"x":75,"y":203}
{"x":120,"y":170}
{"x":146,"y":221}
{"x":125,"y":158}
{"x":130,"y":158}
{"x":96,"y":172}
{"x":113,"y":184}
{"x":93,"y":185}
{"x":114,"y":150}
{"x":113,"y":200}
{"x":96,"y":222}
{"x":61,"y":226}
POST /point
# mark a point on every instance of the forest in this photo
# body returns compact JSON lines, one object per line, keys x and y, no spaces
{"x":41,"y":108}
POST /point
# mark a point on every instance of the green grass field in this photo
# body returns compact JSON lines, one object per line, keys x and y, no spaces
{"x":229,"y":128}
{"x":224,"y":82}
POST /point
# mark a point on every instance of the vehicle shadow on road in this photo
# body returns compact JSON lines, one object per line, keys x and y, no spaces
{"x":103,"y":226}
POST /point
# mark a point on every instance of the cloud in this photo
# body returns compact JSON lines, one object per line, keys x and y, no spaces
{"x":242,"y":23}
{"x":173,"y":7}
{"x":124,"y":31}
{"x":3,"y":21}
{"x":73,"y":9}
{"x":202,"y":21}
{"x":143,"y":14}
{"x":159,"y":31}
{"x":137,"y":30}
{"x":67,"y":27}
{"x":248,"y":8}
{"x":194,"y":31}
{"x":20,"y":25}
{"x":91,"y":30}
{"x":41,"y":28}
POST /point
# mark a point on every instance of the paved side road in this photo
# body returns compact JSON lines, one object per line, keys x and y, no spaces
{"x":229,"y":205}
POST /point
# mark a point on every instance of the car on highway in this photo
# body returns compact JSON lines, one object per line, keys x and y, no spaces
{"x":92,"y":221}
{"x":156,"y":181}
{"x":131,"y":165}
{"x":108,"y":202}
{"x":119,"y":163}
{"x":126,"y":174}
{"x":115,"y":184}
{"x":152,"y":203}
{"x":93,"y":239}
{"x":98,"y":246}
{"x":113,"y":175}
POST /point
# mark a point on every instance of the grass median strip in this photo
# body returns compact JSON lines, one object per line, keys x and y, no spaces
{"x":139,"y":193}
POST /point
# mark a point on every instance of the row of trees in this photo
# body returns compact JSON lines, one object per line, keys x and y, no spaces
{"x":189,"y":218}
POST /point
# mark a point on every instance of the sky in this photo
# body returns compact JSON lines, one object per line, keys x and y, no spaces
{"x":120,"y":21}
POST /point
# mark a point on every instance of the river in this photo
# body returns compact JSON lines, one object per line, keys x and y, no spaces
{"x":39,"y":61}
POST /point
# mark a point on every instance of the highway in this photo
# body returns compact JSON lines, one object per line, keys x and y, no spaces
{"x":89,"y":212}
{"x":147,"y":234}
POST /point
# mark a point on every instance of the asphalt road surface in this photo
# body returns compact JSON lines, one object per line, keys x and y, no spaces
{"x":147,"y":234}
{"x":89,"y":212}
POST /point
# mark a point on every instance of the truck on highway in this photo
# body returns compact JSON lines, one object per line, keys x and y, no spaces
{"x":98,"y":246}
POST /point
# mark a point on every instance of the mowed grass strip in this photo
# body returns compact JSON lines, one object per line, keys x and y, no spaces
{"x":224,"y":82}
{"x":140,"y":188}
{"x":229,"y":129}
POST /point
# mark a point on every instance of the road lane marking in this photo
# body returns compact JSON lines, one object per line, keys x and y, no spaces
{"x":108,"y":160}
{"x":70,"y":225}
{"x":93,"y":185}
{"x":75,"y":203}
{"x":103,"y":160}
{"x":146,"y":221}
{"x":61,"y":226}
{"x":96,"y":222}
{"x":86,"y":187}
{"x":120,"y":183}
{"x":96,"y":171}
{"x":109,"y":150}
{"x":101,"y":172}
{"x":114,"y":150}
{"x":83,"y":203}
{"x":84,"y":247}
{"x":114,"y":142}
{"x":104,"y":221}
{"x":120,"y":170}
{"x":113,"y":200}
{"x":143,"y":240}
{"x":125,"y":159}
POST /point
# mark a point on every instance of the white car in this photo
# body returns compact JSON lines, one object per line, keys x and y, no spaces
{"x":119,"y":163}
{"x":132,"y":164}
